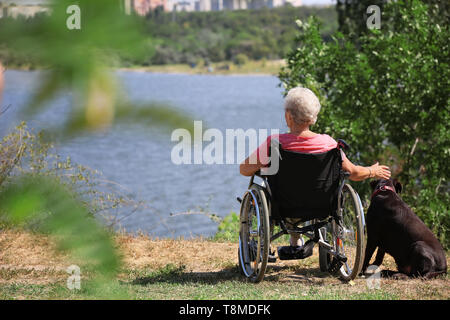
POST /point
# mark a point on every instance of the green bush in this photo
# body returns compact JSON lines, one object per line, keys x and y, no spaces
{"x":228,"y":229}
{"x":24,"y":153}
{"x":240,"y":59}
{"x":388,"y":95}
{"x":41,"y":192}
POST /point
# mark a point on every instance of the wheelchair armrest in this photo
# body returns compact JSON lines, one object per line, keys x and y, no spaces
{"x":256,"y":174}
{"x":343,"y":145}
{"x":252,"y":178}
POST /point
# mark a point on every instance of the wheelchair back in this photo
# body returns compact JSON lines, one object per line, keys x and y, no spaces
{"x":306,"y":185}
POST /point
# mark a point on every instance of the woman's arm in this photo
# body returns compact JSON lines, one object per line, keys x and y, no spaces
{"x":358,"y":173}
{"x":257,"y":160}
{"x":247,"y":169}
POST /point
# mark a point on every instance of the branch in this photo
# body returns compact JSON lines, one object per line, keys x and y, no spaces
{"x":414,"y":147}
{"x":4,"y":110}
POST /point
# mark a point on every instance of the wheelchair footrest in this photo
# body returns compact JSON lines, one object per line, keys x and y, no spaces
{"x":336,"y":263}
{"x":296,"y":252}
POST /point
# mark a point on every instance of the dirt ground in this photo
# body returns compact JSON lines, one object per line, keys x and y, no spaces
{"x":27,"y":258}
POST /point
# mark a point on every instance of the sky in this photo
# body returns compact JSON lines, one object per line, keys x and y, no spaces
{"x":317,"y":2}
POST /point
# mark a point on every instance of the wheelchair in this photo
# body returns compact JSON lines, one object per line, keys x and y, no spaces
{"x":312,"y":189}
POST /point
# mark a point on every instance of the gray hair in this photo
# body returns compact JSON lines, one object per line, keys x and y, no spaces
{"x":303,"y":105}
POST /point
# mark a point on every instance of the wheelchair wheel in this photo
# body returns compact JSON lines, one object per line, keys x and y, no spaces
{"x":348,"y":235}
{"x":254,"y":234}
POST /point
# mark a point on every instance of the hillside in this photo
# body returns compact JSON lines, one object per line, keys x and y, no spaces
{"x":202,"y":38}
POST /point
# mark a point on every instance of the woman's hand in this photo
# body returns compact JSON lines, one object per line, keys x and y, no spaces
{"x":359,"y":173}
{"x":379,"y":171}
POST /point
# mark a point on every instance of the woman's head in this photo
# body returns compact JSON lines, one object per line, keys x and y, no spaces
{"x":303,"y":106}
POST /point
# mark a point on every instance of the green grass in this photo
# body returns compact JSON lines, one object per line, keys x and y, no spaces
{"x":172,"y":282}
{"x":194,"y":270}
{"x":228,"y":230}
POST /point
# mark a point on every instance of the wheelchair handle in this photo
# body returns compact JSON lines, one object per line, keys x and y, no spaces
{"x":343,"y":145}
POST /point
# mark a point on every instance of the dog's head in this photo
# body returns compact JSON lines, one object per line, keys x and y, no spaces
{"x":394,"y":183}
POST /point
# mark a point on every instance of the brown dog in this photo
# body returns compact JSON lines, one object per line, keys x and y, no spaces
{"x":394,"y":228}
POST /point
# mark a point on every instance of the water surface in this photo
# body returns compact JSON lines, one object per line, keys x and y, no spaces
{"x":138,"y":157}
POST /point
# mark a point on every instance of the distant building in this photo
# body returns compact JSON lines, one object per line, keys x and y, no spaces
{"x":258,"y":4}
{"x":26,"y":8}
{"x":204,"y":5}
{"x":216,"y":5}
{"x":142,"y":7}
{"x":29,"y":8}
{"x":183,"y":5}
{"x":235,"y":4}
{"x":295,"y":3}
{"x":212,"y":5}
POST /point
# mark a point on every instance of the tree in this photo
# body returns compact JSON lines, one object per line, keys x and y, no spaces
{"x":389,"y":97}
{"x":352,"y":15}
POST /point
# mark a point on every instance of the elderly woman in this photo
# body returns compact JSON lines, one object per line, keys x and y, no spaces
{"x":301,"y":110}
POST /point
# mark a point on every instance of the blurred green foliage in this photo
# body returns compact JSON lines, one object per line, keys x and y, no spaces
{"x":80,"y":62}
{"x":240,"y":59}
{"x":62,"y":198}
{"x":71,"y":203}
{"x":388,"y":96}
{"x":30,"y":197}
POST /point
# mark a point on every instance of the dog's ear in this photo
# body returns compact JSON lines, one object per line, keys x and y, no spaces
{"x":398,"y":186}
{"x":373,"y":184}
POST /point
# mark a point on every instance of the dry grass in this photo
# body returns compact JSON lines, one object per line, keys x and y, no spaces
{"x":195,"y":255}
{"x":30,"y":259}
{"x":262,"y":67}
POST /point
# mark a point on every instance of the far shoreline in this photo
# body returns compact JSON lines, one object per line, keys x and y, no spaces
{"x":225,"y":68}
{"x":138,"y":70}
{"x":249,"y":68}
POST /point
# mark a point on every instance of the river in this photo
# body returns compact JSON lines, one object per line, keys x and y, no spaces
{"x":139,"y":158}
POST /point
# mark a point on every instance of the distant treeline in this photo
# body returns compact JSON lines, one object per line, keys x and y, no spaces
{"x":190,"y":37}
{"x":201,"y":37}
